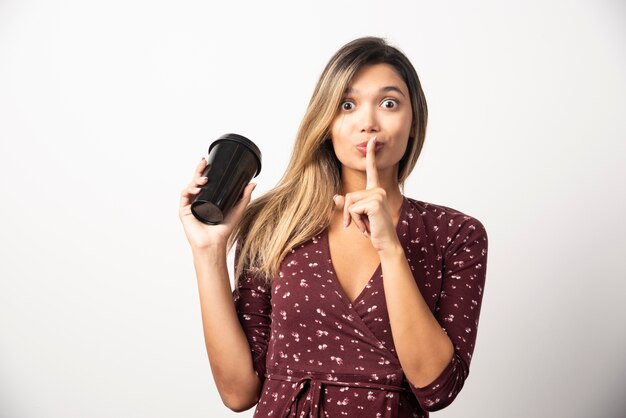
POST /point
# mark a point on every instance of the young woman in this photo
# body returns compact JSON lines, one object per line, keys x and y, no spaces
{"x":351,"y":299}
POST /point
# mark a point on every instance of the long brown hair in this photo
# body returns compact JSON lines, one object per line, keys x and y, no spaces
{"x":300,"y":206}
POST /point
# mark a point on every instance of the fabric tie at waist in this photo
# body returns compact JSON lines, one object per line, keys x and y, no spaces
{"x":311,"y":386}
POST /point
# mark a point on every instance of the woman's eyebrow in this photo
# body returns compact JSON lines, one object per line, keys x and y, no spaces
{"x":385,"y":89}
{"x":392,"y":88}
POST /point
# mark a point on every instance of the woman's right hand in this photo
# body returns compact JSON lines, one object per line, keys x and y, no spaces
{"x":202,"y":236}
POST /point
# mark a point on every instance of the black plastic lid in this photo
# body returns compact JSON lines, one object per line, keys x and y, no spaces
{"x":243,"y":141}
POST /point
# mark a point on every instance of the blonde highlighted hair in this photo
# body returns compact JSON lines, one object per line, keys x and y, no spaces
{"x":300,"y":206}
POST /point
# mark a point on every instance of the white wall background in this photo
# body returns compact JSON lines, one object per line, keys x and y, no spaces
{"x":106,"y":108}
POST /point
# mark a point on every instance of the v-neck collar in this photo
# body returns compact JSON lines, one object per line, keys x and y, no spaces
{"x":377,"y":273}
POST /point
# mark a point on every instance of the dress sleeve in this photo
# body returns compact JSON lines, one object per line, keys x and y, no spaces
{"x":252,"y":297}
{"x":458,"y":308}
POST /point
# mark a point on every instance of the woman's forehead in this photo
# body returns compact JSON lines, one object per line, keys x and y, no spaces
{"x":377,"y":77}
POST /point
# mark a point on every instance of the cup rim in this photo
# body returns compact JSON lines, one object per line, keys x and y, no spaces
{"x":240,"y":139}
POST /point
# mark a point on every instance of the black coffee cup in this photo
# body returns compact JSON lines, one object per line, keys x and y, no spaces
{"x":233,"y":161}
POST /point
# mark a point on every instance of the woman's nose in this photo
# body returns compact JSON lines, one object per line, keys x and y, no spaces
{"x":368,"y":120}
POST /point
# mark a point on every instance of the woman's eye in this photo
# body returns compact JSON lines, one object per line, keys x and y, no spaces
{"x":347,"y":105}
{"x":389,"y":104}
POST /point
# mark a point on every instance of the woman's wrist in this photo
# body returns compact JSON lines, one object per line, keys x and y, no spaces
{"x":212,"y":250}
{"x":393,"y":250}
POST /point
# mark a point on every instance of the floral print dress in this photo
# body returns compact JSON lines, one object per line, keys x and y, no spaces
{"x":319,"y":354}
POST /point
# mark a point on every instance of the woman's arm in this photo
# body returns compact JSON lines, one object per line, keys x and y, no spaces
{"x":226,"y":344}
{"x":434,"y":349}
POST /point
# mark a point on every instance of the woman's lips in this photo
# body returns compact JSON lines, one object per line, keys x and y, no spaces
{"x":362,"y":147}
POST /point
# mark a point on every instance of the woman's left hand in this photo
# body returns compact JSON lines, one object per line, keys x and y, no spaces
{"x":369,"y":208}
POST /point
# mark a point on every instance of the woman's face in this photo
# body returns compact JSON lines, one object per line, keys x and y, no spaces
{"x":376,"y":103}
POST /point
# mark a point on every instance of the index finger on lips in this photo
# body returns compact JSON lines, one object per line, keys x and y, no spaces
{"x":370,"y":164}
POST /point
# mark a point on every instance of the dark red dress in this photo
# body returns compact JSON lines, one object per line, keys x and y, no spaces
{"x":318,"y":354}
